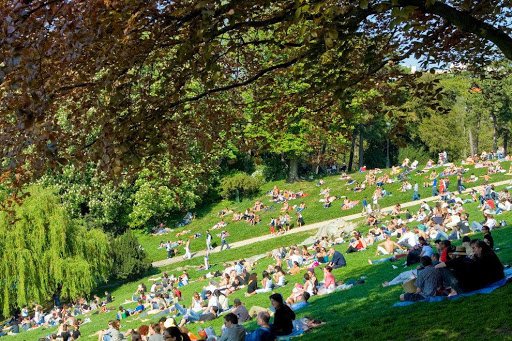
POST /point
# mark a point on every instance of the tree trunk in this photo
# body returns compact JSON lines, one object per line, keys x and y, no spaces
{"x":505,"y":143}
{"x":361,"y":147}
{"x":293,"y":169}
{"x":494,"y":133}
{"x":352,"y":152}
{"x":319,"y":158}
{"x":477,"y":137}
{"x":472,"y":150}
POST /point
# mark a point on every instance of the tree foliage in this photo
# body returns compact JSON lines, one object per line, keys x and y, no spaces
{"x":42,"y":251}
{"x":239,"y":185}
{"x":129,"y":260}
{"x":115,"y":82}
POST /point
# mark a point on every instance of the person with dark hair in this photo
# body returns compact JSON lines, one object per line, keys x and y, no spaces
{"x":135,"y":335}
{"x":337,"y":260}
{"x":175,"y":334}
{"x":283,"y":316}
{"x":302,"y":303}
{"x":252,"y":285}
{"x":427,"y":283}
{"x":232,"y":331}
{"x":155,"y":333}
{"x":444,"y":248}
{"x":488,"y":267}
{"x":240,"y":311}
{"x":488,"y":237}
{"x":263,"y":333}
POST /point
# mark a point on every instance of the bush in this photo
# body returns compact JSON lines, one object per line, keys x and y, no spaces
{"x":414,"y":153}
{"x":239,"y":185}
{"x":129,"y":259}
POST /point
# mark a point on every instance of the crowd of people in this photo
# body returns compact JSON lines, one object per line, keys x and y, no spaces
{"x":423,"y":237}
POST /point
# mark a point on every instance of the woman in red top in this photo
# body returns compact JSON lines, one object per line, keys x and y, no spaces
{"x":445,"y":246}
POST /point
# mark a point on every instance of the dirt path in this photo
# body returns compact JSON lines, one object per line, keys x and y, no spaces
{"x":305,"y":228}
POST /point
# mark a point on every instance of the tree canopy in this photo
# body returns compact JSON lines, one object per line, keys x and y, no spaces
{"x":121,"y":83}
{"x":44,"y":252}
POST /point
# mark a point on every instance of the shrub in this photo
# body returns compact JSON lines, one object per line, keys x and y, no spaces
{"x":414,"y":153}
{"x":129,"y":259}
{"x":239,"y":185}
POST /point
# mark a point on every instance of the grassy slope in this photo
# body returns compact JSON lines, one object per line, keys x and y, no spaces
{"x":364,"y":312}
{"x":207,"y":216}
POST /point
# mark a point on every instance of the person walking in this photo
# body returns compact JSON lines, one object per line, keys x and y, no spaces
{"x":208,"y":241}
{"x":416,"y":195}
{"x":223,"y":241}
{"x":188,"y":254}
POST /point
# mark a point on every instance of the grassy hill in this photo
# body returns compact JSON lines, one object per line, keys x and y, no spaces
{"x":208,"y":216}
{"x":363,"y":312}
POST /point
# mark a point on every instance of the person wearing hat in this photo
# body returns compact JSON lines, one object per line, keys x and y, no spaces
{"x":457,"y":272}
{"x":427,"y":282}
{"x":240,"y":311}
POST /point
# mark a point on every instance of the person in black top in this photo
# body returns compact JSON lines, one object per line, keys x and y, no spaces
{"x":488,"y":237}
{"x":283,"y":316}
{"x":108,"y":297}
{"x":337,"y":260}
{"x":252,"y":285}
{"x":488,"y":267}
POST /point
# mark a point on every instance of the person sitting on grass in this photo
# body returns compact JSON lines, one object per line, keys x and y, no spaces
{"x":388,"y":247}
{"x":283,"y":316}
{"x":240,"y":311}
{"x":337,"y":259}
{"x":427,"y":282}
{"x":266,"y":284}
{"x":488,"y":267}
{"x":303,"y":303}
{"x":295,"y":269}
{"x":112,"y":332}
{"x":329,"y":283}
{"x":232,"y":331}
{"x":263,"y":333}
{"x":252,"y":284}
{"x":357,"y":244}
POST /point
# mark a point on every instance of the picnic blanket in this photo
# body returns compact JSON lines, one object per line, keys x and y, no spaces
{"x":486,"y":290}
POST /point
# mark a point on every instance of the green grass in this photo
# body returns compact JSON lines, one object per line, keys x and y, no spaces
{"x":364,"y":312}
{"x":208,"y":216}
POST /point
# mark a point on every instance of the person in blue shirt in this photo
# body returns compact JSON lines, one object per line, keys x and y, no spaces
{"x":337,"y":260}
{"x":263,"y":333}
{"x":301,"y":304}
{"x":139,"y":308}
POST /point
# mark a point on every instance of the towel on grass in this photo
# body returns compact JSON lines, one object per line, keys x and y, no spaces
{"x":486,"y":290}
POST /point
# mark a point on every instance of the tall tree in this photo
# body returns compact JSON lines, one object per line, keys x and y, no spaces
{"x":43,"y":251}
